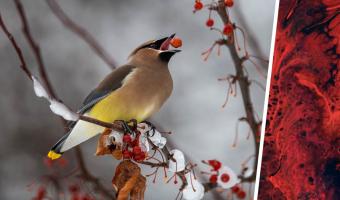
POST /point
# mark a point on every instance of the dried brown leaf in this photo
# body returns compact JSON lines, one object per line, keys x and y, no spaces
{"x":128,"y":181}
{"x":103,"y":149}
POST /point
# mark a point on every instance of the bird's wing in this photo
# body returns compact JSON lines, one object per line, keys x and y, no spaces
{"x":112,"y":82}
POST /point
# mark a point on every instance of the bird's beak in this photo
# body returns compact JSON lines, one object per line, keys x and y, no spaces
{"x":166,"y":54}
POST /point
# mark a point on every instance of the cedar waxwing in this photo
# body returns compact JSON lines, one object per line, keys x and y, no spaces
{"x":135,"y":90}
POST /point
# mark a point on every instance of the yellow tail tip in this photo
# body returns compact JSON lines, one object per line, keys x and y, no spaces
{"x":53,"y":155}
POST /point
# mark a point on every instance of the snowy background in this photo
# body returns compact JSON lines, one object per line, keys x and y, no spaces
{"x":200,"y":127}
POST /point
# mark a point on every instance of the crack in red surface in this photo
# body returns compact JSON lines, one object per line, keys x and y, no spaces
{"x":301,"y":155}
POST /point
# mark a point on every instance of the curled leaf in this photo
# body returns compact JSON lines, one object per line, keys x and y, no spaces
{"x":128,"y":181}
{"x":110,"y":142}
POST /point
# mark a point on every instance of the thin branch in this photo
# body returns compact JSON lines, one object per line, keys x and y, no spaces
{"x":17,"y":49}
{"x":24,"y":67}
{"x":35,"y":48}
{"x":252,"y":41}
{"x":37,"y":53}
{"x":81,"y":32}
{"x":244,"y":86}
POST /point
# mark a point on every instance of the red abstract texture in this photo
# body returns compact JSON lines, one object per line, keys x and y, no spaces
{"x":301,"y":155}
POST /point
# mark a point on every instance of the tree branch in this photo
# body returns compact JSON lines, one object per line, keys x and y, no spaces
{"x":81,"y":32}
{"x":36,"y":50}
{"x":244,"y":84}
{"x":17,"y":49}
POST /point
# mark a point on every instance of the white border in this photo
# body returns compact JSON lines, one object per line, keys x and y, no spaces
{"x":272,"y":45}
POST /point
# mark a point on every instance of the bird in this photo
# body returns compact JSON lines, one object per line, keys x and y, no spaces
{"x":136,"y":90}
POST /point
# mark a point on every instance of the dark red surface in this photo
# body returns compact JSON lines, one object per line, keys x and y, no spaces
{"x":301,"y":156}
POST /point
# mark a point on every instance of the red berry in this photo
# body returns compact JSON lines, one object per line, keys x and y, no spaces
{"x":198,"y":5}
{"x":213,"y":178}
{"x":235,"y":189}
{"x":136,"y":150}
{"x":142,"y":156}
{"x":41,"y":193}
{"x":228,"y":29}
{"x":210,"y":22}
{"x":215,"y":164}
{"x":176,"y":42}
{"x":75,"y":196}
{"x":127,"y":138}
{"x":137,"y":157}
{"x":229,"y":3}
{"x":73,"y":188}
{"x":126,"y":154}
{"x":241,"y":194}
{"x":225,"y":178}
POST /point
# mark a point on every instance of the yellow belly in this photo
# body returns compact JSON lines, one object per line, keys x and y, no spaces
{"x":117,"y":106}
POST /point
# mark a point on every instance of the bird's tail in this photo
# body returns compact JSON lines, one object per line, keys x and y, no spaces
{"x":81,"y":132}
{"x":55,"y":151}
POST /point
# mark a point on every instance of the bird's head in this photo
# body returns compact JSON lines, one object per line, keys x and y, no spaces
{"x":154,"y":51}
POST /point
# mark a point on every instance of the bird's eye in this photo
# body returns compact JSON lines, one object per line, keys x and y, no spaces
{"x":153,"y":46}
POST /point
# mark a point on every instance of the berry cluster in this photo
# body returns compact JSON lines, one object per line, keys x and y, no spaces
{"x":228,"y":28}
{"x":216,"y":166}
{"x":132,"y":149}
{"x":240,"y":193}
{"x":224,"y":177}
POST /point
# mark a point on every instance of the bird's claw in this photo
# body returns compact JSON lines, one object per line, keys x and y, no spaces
{"x":126,"y":127}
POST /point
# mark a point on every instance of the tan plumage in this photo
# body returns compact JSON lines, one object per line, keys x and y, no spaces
{"x":134,"y":91}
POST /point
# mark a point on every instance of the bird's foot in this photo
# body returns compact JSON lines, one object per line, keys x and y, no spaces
{"x":134,"y":124}
{"x":126,"y":127}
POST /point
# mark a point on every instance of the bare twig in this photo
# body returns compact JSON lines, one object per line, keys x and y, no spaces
{"x":251,"y":40}
{"x":36,"y":51}
{"x":244,"y":86}
{"x":81,"y":32}
{"x":35,"y":48}
{"x":17,"y":49}
{"x":89,"y":177}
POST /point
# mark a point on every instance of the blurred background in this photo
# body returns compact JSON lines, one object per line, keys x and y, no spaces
{"x":199,"y":125}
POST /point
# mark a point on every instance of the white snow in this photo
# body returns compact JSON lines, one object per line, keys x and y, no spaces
{"x":194,"y":191}
{"x":179,"y":165}
{"x":155,"y":137}
{"x":248,"y":172}
{"x":63,"y":111}
{"x":143,"y":143}
{"x":39,"y":88}
{"x":158,"y":140}
{"x":55,"y":106}
{"x":116,"y":137}
{"x":233,"y":178}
